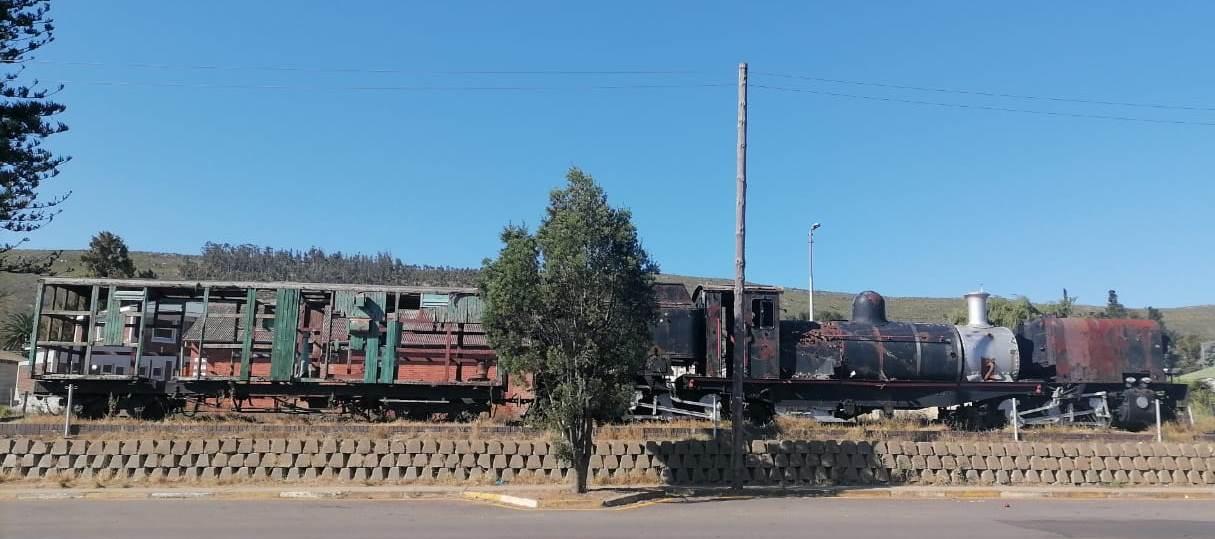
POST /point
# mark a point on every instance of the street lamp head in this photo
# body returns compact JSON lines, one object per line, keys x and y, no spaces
{"x":815,"y":226}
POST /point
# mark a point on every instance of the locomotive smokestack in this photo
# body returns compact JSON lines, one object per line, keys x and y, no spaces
{"x":869,"y":307}
{"x":976,"y":307}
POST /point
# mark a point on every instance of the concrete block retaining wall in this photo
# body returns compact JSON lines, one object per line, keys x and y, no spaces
{"x":429,"y":460}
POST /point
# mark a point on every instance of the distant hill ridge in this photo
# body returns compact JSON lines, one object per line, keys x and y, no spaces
{"x":1198,"y":320}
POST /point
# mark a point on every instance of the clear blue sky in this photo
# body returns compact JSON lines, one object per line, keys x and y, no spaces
{"x":914,"y":199}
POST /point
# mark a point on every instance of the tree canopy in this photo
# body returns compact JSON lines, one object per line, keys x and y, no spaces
{"x":572,"y":306}
{"x":108,"y":256}
{"x":1001,"y":312}
{"x":222,"y":261}
{"x":26,"y":120}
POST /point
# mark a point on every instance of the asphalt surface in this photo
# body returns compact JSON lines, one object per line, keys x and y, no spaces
{"x":434,"y":519}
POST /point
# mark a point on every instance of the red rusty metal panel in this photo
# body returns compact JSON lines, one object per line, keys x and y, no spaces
{"x":1103,"y":350}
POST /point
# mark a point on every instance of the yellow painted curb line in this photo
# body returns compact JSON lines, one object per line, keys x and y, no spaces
{"x":505,"y":499}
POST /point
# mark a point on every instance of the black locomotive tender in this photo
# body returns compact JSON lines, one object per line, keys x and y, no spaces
{"x":1075,"y":370}
{"x":406,"y":349}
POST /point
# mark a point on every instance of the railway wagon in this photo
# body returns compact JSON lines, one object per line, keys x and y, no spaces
{"x":146,"y":347}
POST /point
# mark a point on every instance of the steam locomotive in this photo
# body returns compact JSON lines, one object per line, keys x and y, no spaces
{"x":1048,"y":370}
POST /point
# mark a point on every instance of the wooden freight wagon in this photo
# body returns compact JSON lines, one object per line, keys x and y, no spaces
{"x":151,"y":346}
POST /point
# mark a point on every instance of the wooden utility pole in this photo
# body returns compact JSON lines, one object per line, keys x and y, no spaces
{"x":740,"y":269}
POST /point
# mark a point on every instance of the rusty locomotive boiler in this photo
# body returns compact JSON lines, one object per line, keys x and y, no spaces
{"x":1097,"y":371}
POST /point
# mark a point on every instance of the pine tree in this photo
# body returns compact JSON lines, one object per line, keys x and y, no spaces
{"x":26,"y":113}
{"x":1113,"y":308}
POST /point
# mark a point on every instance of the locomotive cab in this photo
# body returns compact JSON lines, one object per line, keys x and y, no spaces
{"x":763,"y":306}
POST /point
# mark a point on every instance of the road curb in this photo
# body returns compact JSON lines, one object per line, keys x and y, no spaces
{"x":505,"y":499}
{"x":632,"y":498}
{"x":567,"y":503}
{"x":622,"y":500}
{"x":1062,"y":494}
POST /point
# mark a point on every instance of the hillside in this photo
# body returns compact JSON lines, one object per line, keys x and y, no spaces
{"x":1195,"y":376}
{"x":1198,"y":320}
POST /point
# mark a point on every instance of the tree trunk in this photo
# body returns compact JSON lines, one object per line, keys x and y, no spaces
{"x":581,"y":445}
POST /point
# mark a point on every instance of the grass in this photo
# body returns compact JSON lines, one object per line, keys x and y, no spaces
{"x":1195,"y":376}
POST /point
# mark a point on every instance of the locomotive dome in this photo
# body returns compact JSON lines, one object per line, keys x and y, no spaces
{"x":869,"y":307}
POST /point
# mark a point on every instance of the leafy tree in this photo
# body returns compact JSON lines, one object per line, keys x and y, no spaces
{"x":108,"y":256}
{"x":572,"y":305}
{"x":26,"y":114}
{"x":1155,"y":315}
{"x":15,"y":331}
{"x":1001,"y":312}
{"x":148,"y":273}
{"x":1065,"y":307}
{"x":1185,"y":351}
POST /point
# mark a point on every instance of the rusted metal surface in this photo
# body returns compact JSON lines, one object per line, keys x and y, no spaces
{"x":871,"y":348}
{"x":717,"y":343}
{"x":869,"y":307}
{"x":1073,"y":350}
{"x":890,"y":351}
{"x":763,"y":305}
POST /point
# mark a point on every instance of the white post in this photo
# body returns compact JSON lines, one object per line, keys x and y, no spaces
{"x":1016,"y":421}
{"x":1159,"y":434}
{"x":16,"y":383}
{"x":810,"y":272}
{"x":67,"y":413}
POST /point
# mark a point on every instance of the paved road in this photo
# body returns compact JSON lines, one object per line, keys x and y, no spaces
{"x":434,"y":519}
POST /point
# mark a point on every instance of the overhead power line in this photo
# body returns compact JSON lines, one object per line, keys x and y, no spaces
{"x":990,"y":94}
{"x":985,"y":107}
{"x":379,"y":71}
{"x":420,"y":88}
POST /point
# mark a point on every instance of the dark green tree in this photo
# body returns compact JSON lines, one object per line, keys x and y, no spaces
{"x":1185,"y":351}
{"x":1114,"y":308}
{"x":571,"y":306}
{"x":108,"y":256}
{"x":15,"y":331}
{"x":26,"y":120}
{"x":250,"y":262}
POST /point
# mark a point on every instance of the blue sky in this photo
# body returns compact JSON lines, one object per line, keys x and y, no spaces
{"x":914,"y":199}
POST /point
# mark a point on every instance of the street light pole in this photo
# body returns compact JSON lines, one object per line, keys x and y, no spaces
{"x":810,"y":280}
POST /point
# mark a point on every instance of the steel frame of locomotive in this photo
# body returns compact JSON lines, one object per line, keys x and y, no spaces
{"x":147,"y":347}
